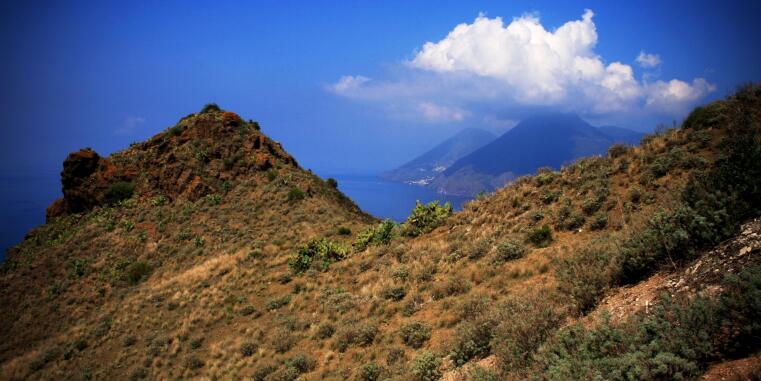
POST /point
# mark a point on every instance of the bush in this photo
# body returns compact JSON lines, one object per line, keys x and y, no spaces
{"x":379,"y":235}
{"x":426,"y":217}
{"x":704,"y":117}
{"x":508,"y":251}
{"x":454,"y":286}
{"x":415,"y":334}
{"x":295,"y":194}
{"x":320,"y":250}
{"x":342,"y":230}
{"x":119,"y":191}
{"x":473,"y":339}
{"x":369,"y":372}
{"x":332,"y":182}
{"x":261,"y":371}
{"x":354,"y":334}
{"x":210,"y":107}
{"x":137,"y":271}
{"x":395,"y":293}
{"x":524,"y":324}
{"x":600,"y":222}
{"x":585,"y":276}
{"x":617,"y":150}
{"x":426,"y":367}
{"x":248,"y":349}
{"x":283,"y":340}
{"x":540,"y":237}
{"x":276,"y":303}
{"x":301,"y":363}
{"x":324,"y":331}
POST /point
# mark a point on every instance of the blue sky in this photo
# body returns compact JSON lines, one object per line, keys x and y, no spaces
{"x":103,"y":74}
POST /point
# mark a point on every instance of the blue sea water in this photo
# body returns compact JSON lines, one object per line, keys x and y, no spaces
{"x":24,"y":199}
{"x":386,"y":199}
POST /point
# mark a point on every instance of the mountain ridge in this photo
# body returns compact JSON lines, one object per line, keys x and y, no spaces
{"x":545,"y":140}
{"x":423,"y":168}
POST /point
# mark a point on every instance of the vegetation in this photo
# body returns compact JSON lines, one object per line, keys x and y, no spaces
{"x":119,"y":191}
{"x":320,"y":251}
{"x":378,"y":235}
{"x":184,"y":286}
{"x":415,"y":334}
{"x":425,"y":217}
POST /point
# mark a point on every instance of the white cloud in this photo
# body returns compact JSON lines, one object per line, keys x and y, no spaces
{"x":522,"y":64}
{"x":676,"y":95}
{"x":648,"y":61}
{"x":437,"y":113}
{"x":129,"y":125}
{"x":348,"y":83}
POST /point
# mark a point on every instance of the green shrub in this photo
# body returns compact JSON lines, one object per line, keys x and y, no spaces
{"x":426,"y":217}
{"x":321,"y":251}
{"x":213,"y":199}
{"x":509,"y":250}
{"x":342,"y":230}
{"x":369,"y":372}
{"x":261,"y":371}
{"x":426,"y":367}
{"x":301,"y":363}
{"x":600,"y":222}
{"x":395,"y":293}
{"x":415,"y":334}
{"x":379,"y":235}
{"x":540,"y":237}
{"x":354,"y":334}
{"x":276,"y":303}
{"x":137,"y":271}
{"x":479,"y":249}
{"x":704,"y":117}
{"x":119,"y":191}
{"x":523,"y":325}
{"x":248,"y":348}
{"x":585,"y":276}
{"x":332,"y":182}
{"x":548,"y":197}
{"x":473,"y":339}
{"x":210,"y":107}
{"x":324,"y":331}
{"x":80,"y":267}
{"x":295,"y":194}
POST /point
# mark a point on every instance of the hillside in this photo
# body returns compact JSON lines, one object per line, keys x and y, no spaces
{"x":515,"y":286}
{"x":548,"y":140}
{"x":422,"y":169}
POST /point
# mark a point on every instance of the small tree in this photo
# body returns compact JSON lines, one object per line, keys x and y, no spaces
{"x":426,"y":217}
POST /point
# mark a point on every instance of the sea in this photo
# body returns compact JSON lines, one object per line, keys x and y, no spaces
{"x":24,"y":200}
{"x":387,"y":199}
{"x":25,"y":197}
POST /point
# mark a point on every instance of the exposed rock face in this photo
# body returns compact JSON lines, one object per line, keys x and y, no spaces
{"x":190,"y":160}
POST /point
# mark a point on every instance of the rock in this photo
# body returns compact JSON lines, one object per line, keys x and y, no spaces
{"x":745,"y":250}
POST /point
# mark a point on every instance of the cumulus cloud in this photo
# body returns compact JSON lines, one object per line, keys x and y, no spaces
{"x":648,"y":61}
{"x":522,"y":63}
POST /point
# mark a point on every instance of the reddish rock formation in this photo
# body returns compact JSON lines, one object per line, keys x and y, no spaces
{"x":189,"y":160}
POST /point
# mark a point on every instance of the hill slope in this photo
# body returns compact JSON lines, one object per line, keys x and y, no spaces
{"x":511,"y":287}
{"x":422,"y":169}
{"x":549,"y":140}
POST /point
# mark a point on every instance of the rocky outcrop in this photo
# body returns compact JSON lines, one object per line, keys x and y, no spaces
{"x":190,"y":160}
